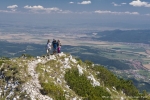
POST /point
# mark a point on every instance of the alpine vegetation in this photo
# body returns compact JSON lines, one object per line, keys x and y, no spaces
{"x":62,"y":77}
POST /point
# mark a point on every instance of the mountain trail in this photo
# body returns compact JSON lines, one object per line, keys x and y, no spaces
{"x":33,"y":86}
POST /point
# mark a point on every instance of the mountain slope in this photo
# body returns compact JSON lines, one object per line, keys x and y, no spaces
{"x":128,"y":36}
{"x":61,"y":77}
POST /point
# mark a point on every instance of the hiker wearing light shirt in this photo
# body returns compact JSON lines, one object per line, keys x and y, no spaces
{"x":48,"y":47}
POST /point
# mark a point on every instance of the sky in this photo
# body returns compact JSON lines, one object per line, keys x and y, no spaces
{"x":123,"y":14}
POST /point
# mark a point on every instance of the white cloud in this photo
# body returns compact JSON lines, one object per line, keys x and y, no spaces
{"x":115,"y":4}
{"x":84,"y":12}
{"x":71,"y":2}
{"x":66,"y":12}
{"x":102,"y":12}
{"x":84,"y":2}
{"x":12,"y":6}
{"x":139,"y":3}
{"x":5,"y":11}
{"x":123,"y":3}
{"x":8,"y":11}
{"x":118,"y":4}
{"x":34,"y":7}
{"x":131,"y":13}
{"x":40,"y":8}
{"x":147,"y":14}
{"x":117,"y":13}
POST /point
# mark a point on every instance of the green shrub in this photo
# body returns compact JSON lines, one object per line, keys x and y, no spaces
{"x":82,"y":86}
{"x":52,"y":90}
{"x":8,"y":74}
{"x":49,"y":88}
{"x":4,"y":58}
{"x":52,"y":63}
{"x":1,"y":62}
{"x":80,"y":62}
{"x":2,"y":98}
{"x":27,"y":55}
{"x":88,"y":63}
{"x":14,"y":68}
{"x":111,"y":80}
{"x":128,"y":87}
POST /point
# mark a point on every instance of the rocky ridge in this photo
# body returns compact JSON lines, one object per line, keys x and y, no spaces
{"x":31,"y":78}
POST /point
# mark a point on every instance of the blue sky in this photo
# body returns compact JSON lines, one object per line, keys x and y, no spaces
{"x":107,"y":13}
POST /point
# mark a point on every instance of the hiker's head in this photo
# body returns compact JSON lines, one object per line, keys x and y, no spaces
{"x":54,"y":40}
{"x":48,"y":40}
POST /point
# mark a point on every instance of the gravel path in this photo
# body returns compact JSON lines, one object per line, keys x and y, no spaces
{"x":33,"y":87}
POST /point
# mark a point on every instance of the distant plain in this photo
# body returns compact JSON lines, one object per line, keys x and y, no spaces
{"x":123,"y":58}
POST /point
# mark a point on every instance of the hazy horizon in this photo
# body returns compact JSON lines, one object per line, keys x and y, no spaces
{"x":76,"y":14}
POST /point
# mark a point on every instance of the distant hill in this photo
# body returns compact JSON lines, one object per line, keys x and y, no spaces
{"x":129,"y":36}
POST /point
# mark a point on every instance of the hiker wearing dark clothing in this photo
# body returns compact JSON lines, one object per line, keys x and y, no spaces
{"x":54,"y":43}
{"x":58,"y":46}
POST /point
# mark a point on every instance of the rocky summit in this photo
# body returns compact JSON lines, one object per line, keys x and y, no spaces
{"x":61,"y":77}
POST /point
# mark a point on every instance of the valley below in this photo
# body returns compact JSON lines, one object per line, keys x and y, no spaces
{"x":126,"y":60}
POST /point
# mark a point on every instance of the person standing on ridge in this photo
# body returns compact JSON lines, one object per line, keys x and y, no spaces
{"x":48,"y":47}
{"x":54,"y":43}
{"x":58,"y":46}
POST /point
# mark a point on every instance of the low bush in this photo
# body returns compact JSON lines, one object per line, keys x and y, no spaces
{"x":111,"y":80}
{"x":1,"y":62}
{"x":52,"y":90}
{"x":82,"y":86}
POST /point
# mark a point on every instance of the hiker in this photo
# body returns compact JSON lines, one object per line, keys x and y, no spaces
{"x":54,"y":43}
{"x":48,"y":47}
{"x":58,"y":46}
